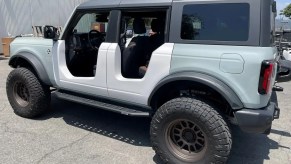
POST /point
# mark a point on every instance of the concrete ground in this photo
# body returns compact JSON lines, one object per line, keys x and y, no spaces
{"x":72,"y":133}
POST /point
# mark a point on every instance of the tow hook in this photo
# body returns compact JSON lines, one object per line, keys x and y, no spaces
{"x":278,"y":88}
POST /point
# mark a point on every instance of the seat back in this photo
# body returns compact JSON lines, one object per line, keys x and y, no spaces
{"x":158,"y":38}
{"x":134,"y":55}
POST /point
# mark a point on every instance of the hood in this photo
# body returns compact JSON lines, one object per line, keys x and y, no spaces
{"x":32,"y":41}
{"x":36,"y":45}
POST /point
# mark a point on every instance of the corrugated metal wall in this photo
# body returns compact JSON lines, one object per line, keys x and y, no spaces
{"x":18,"y":16}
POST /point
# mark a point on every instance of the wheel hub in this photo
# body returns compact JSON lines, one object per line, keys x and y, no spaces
{"x":186,"y":140}
{"x":21,"y":94}
{"x":189,"y":136}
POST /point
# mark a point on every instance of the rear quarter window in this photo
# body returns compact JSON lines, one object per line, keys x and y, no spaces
{"x":216,"y":22}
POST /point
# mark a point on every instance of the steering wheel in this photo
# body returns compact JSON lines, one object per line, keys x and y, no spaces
{"x":95,"y":39}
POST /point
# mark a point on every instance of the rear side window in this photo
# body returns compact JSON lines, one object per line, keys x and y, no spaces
{"x":216,"y":22}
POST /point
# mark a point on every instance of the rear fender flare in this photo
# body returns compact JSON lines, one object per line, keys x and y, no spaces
{"x":223,"y":89}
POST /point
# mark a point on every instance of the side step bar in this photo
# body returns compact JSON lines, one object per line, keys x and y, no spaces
{"x":130,"y":111}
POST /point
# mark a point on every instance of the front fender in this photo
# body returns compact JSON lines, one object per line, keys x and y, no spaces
{"x":212,"y":82}
{"x":34,"y":62}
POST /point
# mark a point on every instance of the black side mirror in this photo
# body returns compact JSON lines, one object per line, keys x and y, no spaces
{"x":50,"y":32}
{"x":274,"y":7}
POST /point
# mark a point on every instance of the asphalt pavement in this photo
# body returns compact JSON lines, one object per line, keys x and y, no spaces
{"x":72,"y":133}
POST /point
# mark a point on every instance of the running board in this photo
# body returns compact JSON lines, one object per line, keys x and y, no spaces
{"x":129,"y":111}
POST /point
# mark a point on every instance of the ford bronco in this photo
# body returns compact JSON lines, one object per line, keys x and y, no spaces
{"x":192,"y":66}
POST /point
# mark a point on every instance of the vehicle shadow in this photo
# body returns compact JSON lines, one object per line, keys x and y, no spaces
{"x":250,"y":148}
{"x":132,"y":130}
{"x":246,"y":148}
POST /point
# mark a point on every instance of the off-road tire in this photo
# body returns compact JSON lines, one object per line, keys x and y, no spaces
{"x":34,"y":97}
{"x":217,"y":135}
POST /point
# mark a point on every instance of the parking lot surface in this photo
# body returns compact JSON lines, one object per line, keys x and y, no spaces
{"x":72,"y":133}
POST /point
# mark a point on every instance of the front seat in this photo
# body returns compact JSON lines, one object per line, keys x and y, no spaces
{"x":134,"y":55}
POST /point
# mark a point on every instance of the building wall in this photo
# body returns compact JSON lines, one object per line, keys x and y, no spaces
{"x":283,"y":24}
{"x":18,"y":16}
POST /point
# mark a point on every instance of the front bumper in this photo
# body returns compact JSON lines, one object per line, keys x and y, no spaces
{"x":257,"y":120}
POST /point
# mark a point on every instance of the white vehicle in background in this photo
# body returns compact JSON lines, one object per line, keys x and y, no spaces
{"x":287,"y":53}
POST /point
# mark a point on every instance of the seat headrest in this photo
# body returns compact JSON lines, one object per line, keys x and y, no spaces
{"x":157,"y":26}
{"x":154,"y":25}
{"x":139,"y":26}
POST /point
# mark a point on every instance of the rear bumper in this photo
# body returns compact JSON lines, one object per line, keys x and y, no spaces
{"x":257,"y":120}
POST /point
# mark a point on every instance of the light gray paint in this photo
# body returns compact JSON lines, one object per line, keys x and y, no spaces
{"x":231,"y":63}
{"x":17,"y":16}
{"x":207,"y":59}
{"x":39,"y":47}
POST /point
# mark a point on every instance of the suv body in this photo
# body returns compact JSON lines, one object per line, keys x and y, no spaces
{"x":228,"y":62}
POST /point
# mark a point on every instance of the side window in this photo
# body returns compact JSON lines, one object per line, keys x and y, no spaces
{"x":216,"y":22}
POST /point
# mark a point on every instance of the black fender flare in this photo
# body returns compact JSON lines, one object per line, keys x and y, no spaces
{"x":34,"y":62}
{"x":230,"y":96}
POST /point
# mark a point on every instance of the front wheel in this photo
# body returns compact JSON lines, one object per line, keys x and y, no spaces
{"x":26,"y":94}
{"x":188,"y":130}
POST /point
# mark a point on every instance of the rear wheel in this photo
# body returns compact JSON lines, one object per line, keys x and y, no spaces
{"x":187,"y":130}
{"x":26,"y":94}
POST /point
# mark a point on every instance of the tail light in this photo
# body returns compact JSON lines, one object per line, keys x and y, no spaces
{"x":266,"y":77}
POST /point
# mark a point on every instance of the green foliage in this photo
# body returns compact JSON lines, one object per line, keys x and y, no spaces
{"x":287,"y":11}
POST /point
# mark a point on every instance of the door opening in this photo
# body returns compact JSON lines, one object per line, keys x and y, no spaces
{"x":83,"y":42}
{"x":142,"y":32}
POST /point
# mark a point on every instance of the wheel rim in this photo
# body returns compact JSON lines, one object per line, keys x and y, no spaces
{"x":186,"y":140}
{"x":21,"y":94}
